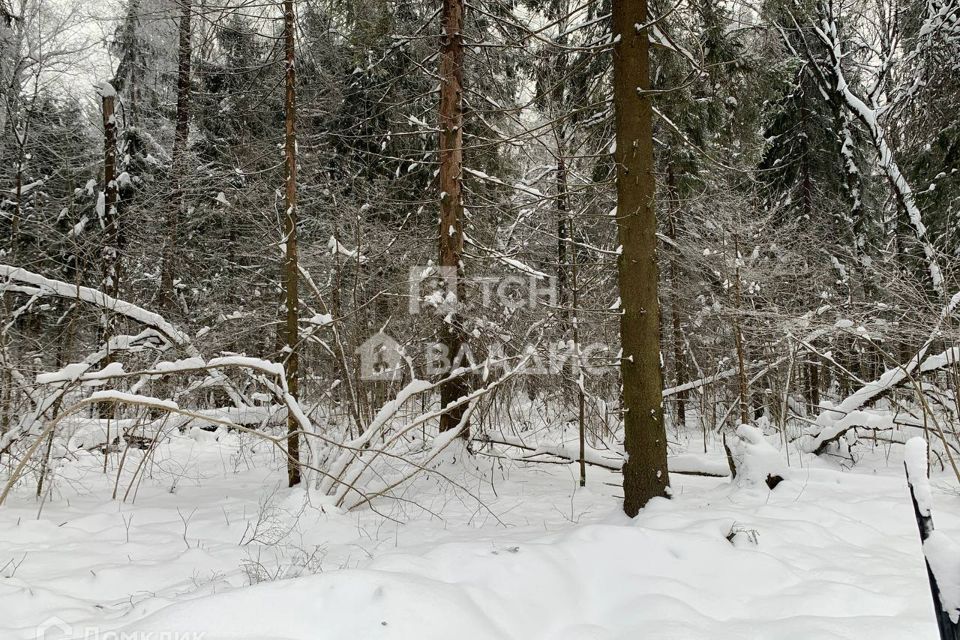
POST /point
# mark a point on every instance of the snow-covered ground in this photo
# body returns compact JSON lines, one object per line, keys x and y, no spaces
{"x":214,"y":547}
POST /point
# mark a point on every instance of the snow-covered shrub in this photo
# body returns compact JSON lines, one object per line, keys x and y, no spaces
{"x":755,"y":460}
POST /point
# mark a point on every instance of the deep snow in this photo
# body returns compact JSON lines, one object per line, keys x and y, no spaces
{"x":828,"y":554}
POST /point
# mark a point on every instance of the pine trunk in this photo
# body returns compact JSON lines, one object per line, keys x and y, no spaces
{"x":168,"y":268}
{"x":451,"y":196}
{"x":290,"y":266}
{"x":645,"y":470}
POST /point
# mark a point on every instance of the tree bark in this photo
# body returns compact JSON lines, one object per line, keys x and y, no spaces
{"x":451,"y":197}
{"x":743,"y":383}
{"x":679,"y":353}
{"x":645,"y":471}
{"x":563,"y":232}
{"x":168,"y":267}
{"x":290,"y":268}
{"x":110,"y":254}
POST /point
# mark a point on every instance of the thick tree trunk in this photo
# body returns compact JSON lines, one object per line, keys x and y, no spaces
{"x":451,"y":196}
{"x":645,"y":471}
{"x":168,"y":267}
{"x":290,"y":267}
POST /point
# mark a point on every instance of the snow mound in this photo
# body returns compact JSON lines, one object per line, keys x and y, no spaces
{"x":757,"y":462}
{"x":597,"y":581}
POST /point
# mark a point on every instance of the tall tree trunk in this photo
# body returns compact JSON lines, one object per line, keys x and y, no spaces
{"x":451,"y":196}
{"x":168,"y":267}
{"x":580,"y":371}
{"x":110,"y":256}
{"x":563,"y":232}
{"x":679,"y":355}
{"x":744,"y":392}
{"x":108,"y":212}
{"x":6,"y":354}
{"x":558,"y":72}
{"x":290,"y":266}
{"x":813,"y":386}
{"x":645,"y":441}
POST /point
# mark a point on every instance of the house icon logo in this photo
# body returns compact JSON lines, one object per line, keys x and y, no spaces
{"x":53,"y":629}
{"x":381,"y":358}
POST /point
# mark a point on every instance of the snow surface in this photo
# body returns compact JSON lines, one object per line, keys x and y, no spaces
{"x":828,"y":555}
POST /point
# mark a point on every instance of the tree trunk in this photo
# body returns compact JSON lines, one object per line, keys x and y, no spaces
{"x":645,"y":442}
{"x":580,"y":372}
{"x":563,"y":232}
{"x":451,"y":197}
{"x":743,"y":383}
{"x":110,"y":255}
{"x":813,"y":386}
{"x":168,"y":267}
{"x":679,"y":358}
{"x":290,"y":267}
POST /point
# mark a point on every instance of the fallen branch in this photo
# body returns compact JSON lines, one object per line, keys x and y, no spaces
{"x":685,"y":464}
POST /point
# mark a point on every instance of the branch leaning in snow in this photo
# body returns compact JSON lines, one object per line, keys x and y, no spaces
{"x":126,"y":398}
{"x":356,"y":457}
{"x":16,"y":280}
{"x":269,"y":374}
{"x":833,"y":422}
{"x":169,"y":406}
{"x":62,"y":384}
{"x":941,"y":553}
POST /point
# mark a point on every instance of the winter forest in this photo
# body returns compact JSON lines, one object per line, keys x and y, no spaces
{"x":480,"y":319}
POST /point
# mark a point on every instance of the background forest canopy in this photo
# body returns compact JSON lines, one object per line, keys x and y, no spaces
{"x":248,"y":184}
